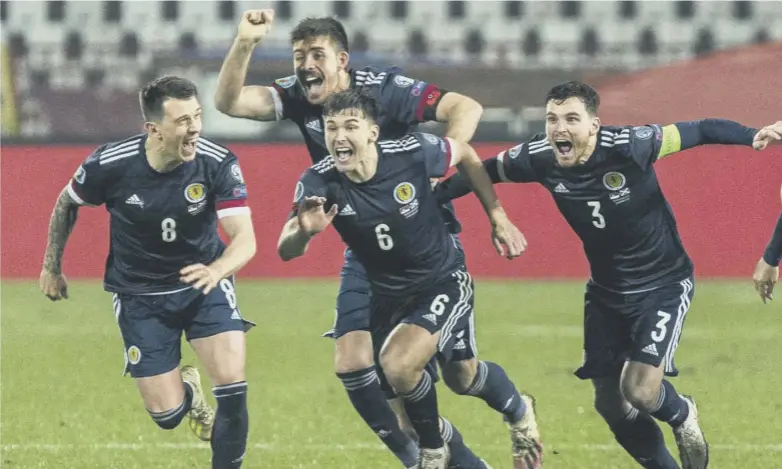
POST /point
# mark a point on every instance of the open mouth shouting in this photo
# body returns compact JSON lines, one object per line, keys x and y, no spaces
{"x":343,"y":154}
{"x":189,"y":145}
{"x":312,"y":84}
{"x":564,"y":147}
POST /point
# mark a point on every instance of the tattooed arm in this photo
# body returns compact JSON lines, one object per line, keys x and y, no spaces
{"x":52,"y":281}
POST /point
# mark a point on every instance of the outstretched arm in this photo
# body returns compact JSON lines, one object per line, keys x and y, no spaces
{"x":685,"y":135}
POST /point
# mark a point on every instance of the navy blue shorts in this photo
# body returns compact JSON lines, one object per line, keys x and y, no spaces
{"x":354,"y":298}
{"x":152,"y":325}
{"x":446,"y":307}
{"x":642,"y":327}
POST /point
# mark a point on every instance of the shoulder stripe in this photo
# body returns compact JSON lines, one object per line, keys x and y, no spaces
{"x":118,"y":156}
{"x":323,"y":165}
{"x":204,"y":150}
{"x":364,"y":78}
{"x":121,"y":148}
{"x":538,"y":149}
{"x":210,"y":144}
{"x":538,"y":144}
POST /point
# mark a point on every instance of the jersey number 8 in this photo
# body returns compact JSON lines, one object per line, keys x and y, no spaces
{"x":384,"y":239}
{"x":169,"y":230}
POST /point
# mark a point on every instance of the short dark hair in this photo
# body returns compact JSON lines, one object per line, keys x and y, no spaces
{"x":575,"y":89}
{"x":356,"y":99}
{"x":310,"y":28}
{"x":157,"y":91}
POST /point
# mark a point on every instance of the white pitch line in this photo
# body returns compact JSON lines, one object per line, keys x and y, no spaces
{"x":273,"y":447}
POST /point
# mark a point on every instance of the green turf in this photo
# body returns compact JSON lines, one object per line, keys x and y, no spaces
{"x":65,"y":405}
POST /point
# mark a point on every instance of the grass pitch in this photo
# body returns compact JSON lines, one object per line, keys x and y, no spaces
{"x":66,"y":405}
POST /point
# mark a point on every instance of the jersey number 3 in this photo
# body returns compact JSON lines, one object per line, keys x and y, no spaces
{"x":597,"y":218}
{"x":169,"y":230}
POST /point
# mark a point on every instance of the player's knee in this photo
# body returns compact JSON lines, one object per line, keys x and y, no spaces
{"x":400,"y":369}
{"x":640,"y":396}
{"x":459,"y":376}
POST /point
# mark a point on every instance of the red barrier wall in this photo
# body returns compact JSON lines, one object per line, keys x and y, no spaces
{"x":726,"y":201}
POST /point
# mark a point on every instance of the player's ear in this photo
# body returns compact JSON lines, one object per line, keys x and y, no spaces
{"x":152,"y":129}
{"x":343,"y":58}
{"x":374,"y":133}
{"x":595,"y":128}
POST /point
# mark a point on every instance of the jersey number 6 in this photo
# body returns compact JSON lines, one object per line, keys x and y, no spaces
{"x":384,"y":239}
{"x":599,"y":221}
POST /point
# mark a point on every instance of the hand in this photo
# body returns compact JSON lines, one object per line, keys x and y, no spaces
{"x":312,"y":217}
{"x":200,"y":276}
{"x":255,"y":25}
{"x":54,"y":286}
{"x":767,"y":135}
{"x":765,"y":277}
{"x":507,"y":239}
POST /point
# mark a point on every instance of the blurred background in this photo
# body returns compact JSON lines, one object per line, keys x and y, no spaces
{"x":71,"y":69}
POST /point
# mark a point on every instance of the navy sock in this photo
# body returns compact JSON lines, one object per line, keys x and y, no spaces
{"x":229,"y":434}
{"x":369,"y":400}
{"x":492,"y":384}
{"x":642,"y":438}
{"x":421,"y":407}
{"x":670,"y":407}
{"x":169,"y":419}
{"x":461,"y":456}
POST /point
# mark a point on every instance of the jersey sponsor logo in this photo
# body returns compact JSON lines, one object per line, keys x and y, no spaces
{"x":286,"y":82}
{"x":195,"y":192}
{"x":135,"y":200}
{"x":134,"y":355}
{"x":614,"y":180}
{"x":418,"y":88}
{"x":297,"y":195}
{"x":433,"y":139}
{"x":80,"y":175}
{"x":240,"y":191}
{"x":346,"y":211}
{"x":236,"y":172}
{"x":515,"y":151}
{"x":651,"y":349}
{"x":315,"y":125}
{"x":643,"y":132}
{"x":561,"y":188}
{"x":404,"y":193}
{"x":403,"y":81}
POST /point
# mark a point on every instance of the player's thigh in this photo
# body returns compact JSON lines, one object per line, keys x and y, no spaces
{"x":607,"y":334}
{"x":640,"y":383}
{"x":407,"y":350}
{"x":353,"y":299}
{"x":161,"y":392}
{"x":216,"y":330}
{"x":659,"y":325}
{"x":445,"y":311}
{"x":353,"y":352}
{"x":223,"y":356}
{"x":151,"y":333}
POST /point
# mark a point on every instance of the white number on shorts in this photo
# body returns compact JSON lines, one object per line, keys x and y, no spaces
{"x":230,"y":294}
{"x":659,"y":334}
{"x":599,"y":221}
{"x":383,"y":238}
{"x":169,"y":230}
{"x":438,"y":305}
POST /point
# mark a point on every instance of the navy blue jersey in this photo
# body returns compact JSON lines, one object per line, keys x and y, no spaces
{"x":614,"y":203}
{"x":404,"y":103}
{"x":392,"y":223}
{"x":159,"y":222}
